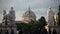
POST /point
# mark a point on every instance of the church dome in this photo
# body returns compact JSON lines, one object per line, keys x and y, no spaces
{"x":29,"y":15}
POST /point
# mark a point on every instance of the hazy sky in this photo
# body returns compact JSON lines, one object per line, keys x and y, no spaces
{"x":39,"y":7}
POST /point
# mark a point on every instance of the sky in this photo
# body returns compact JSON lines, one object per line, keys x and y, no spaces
{"x":39,"y":7}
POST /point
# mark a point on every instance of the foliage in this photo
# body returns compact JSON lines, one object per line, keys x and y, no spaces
{"x":59,"y":16}
{"x":42,"y":21}
{"x":32,"y":25}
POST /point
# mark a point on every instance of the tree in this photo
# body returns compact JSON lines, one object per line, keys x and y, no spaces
{"x":58,"y":16}
{"x":32,"y":26}
{"x":42,"y":22}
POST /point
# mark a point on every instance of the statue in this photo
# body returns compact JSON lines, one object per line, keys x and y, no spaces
{"x":9,"y":22}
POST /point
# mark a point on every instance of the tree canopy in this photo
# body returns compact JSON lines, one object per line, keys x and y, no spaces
{"x":32,"y":25}
{"x":58,"y":16}
{"x":42,"y":21}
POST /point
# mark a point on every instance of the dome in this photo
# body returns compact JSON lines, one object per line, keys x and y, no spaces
{"x":29,"y":15}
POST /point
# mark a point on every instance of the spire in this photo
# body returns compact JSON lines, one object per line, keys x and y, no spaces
{"x":29,"y":8}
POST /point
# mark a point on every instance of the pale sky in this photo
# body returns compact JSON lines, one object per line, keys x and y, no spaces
{"x":39,"y":7}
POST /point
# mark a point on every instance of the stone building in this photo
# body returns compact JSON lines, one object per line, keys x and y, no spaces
{"x":28,"y":16}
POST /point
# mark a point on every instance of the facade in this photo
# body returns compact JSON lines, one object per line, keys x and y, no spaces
{"x":28,"y":16}
{"x":8,"y":22}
